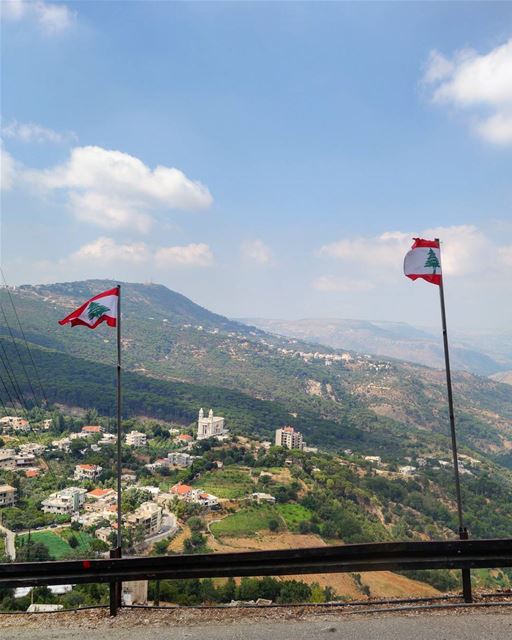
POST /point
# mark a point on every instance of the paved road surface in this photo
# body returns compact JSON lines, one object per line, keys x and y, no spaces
{"x":10,"y":544}
{"x":448,"y":626}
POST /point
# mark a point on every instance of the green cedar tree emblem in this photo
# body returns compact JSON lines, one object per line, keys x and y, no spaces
{"x":432,"y":261}
{"x":96,"y":310}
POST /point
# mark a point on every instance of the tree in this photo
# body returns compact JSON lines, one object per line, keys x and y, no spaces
{"x":432,"y":261}
{"x":73,"y":542}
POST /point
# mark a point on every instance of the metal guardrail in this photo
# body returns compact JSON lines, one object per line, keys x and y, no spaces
{"x":388,"y":556}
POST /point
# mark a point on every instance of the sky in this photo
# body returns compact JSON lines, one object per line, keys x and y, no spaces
{"x":266,"y":159}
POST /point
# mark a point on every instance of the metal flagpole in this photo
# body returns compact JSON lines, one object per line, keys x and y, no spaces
{"x":116,"y":585}
{"x":463,"y":532}
{"x":118,"y":324}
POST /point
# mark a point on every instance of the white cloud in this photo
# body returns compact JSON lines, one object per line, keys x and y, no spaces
{"x":114,"y":190}
{"x":105,"y":250}
{"x":342,"y":284}
{"x":257,"y":251}
{"x":52,"y":18}
{"x":505,"y":255}
{"x":8,"y":170}
{"x":481,"y":82}
{"x":190,"y":255}
{"x":465,"y":250}
{"x":31,"y":132}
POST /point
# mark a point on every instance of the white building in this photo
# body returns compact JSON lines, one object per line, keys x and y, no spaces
{"x":136,"y":439}
{"x":289,"y":438}
{"x":210,"y":427}
{"x":63,"y":502}
{"x":149,"y":515}
{"x":87,"y":471}
{"x":178,"y":459}
{"x":32,"y":447}
{"x":7,"y":495}
{"x":15,"y":423}
{"x":7,"y":459}
{"x":107,"y":438}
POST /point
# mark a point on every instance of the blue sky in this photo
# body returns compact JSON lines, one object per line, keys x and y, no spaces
{"x":299,"y":147}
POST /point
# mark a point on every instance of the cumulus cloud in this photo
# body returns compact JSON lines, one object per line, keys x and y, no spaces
{"x":479,"y":83}
{"x":51,"y":18}
{"x":190,"y":255}
{"x":32,"y":132}
{"x":106,"y":251}
{"x":8,"y":170}
{"x":115,"y":190}
{"x":256,"y":251}
{"x":342,"y":284}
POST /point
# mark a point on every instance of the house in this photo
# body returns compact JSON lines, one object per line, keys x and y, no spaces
{"x":178,"y":459}
{"x":204,"y":499}
{"x":107,"y":438}
{"x":26,"y":460}
{"x":136,"y":439}
{"x":64,"y":444}
{"x":263,"y":497}
{"x":182,"y":491}
{"x":105,"y":495}
{"x":184,"y":438}
{"x":211,"y":426}
{"x":32,"y":447}
{"x":92,"y":430}
{"x":7,"y":495}
{"x":407,"y":470}
{"x":31,"y":473}
{"x":14,"y":423}
{"x":87,"y":471}
{"x":289,"y":438}
{"x":103,"y":534}
{"x":373,"y":459}
{"x":7,"y":459}
{"x":149,"y":515}
{"x":64,"y":502}
{"x":47,"y":424}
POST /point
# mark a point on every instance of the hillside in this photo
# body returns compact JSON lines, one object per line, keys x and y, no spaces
{"x":483,"y":353}
{"x":334,"y":396}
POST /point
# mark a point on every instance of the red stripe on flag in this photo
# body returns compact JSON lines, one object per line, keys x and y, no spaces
{"x":434,"y":278}
{"x":420,"y":242}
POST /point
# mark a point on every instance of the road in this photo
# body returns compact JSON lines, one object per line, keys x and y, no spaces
{"x":10,"y":544}
{"x":462,"y":625}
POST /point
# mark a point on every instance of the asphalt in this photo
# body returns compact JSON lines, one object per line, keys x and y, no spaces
{"x":452,"y":626}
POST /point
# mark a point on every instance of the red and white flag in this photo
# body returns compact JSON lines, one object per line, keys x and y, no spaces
{"x":424,"y":261}
{"x":101,"y":308}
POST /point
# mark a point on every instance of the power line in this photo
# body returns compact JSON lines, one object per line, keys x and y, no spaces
{"x":12,"y":377}
{"x":24,"y":338}
{"x":18,"y":353}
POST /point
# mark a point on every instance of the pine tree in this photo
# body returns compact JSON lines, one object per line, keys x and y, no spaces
{"x":432,"y":261}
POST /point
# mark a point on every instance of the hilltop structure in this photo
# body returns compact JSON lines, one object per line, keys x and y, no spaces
{"x":289,"y":438}
{"x":210,"y":427}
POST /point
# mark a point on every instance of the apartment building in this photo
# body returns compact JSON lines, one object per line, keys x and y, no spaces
{"x":7,"y":495}
{"x":67,"y":501}
{"x":149,"y":515}
{"x":136,"y":439}
{"x":87,"y":471}
{"x":289,"y":438}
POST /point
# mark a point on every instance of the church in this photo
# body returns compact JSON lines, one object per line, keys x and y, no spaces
{"x":210,"y":427}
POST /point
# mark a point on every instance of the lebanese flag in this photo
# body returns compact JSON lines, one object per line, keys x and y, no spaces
{"x":424,"y":261}
{"x":101,"y":308}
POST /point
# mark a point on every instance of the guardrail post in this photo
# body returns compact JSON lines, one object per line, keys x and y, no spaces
{"x":466,"y":573}
{"x":115,"y":587}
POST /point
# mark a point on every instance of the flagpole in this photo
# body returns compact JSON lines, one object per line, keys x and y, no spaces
{"x":463,"y":532}
{"x":119,"y":434}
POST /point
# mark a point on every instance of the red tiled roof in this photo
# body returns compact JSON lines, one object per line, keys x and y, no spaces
{"x":92,"y":429}
{"x":99,"y":493}
{"x":181,"y":489}
{"x":31,"y":473}
{"x":185,"y":436}
{"x":89,"y":467}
